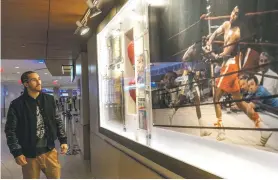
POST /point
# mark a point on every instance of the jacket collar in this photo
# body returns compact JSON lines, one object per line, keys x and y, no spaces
{"x":28,"y":97}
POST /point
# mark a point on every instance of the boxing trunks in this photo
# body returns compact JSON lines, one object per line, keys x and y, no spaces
{"x":229,"y":83}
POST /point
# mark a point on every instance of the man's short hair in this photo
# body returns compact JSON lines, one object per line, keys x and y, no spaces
{"x":243,"y":77}
{"x":171,"y":73}
{"x":253,"y":78}
{"x":240,"y":17}
{"x":24,"y":77}
{"x":241,"y":13}
{"x":266,"y":54}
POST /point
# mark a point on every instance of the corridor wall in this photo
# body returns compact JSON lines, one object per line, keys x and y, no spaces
{"x":83,"y":124}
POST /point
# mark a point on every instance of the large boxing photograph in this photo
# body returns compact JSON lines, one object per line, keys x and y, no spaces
{"x":214,"y":70}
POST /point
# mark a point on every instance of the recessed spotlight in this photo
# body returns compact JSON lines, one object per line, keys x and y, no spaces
{"x":16,"y":67}
{"x":23,"y":45}
{"x":82,"y":28}
{"x":18,"y":72}
{"x":45,"y":73}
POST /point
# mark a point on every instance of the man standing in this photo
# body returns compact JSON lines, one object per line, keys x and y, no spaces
{"x":32,"y":127}
{"x":229,"y":83}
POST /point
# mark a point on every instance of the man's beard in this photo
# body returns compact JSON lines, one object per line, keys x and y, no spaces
{"x":36,"y":89}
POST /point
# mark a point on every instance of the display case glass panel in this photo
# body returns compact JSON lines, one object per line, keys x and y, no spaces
{"x":195,"y":80}
{"x":122,"y":51}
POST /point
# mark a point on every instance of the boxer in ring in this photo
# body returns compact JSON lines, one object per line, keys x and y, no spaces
{"x":230,"y":83}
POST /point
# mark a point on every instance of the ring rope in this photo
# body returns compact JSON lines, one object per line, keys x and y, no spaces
{"x":228,"y":74}
{"x":228,"y":101}
{"x":212,"y":127}
{"x":247,"y":14}
{"x":249,"y":43}
{"x":200,"y":41}
{"x":205,"y":17}
{"x":192,"y":25}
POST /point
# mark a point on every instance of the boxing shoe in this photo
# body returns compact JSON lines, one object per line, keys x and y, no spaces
{"x":264,"y":138}
{"x":221,"y":132}
{"x":221,"y":135}
{"x":265,"y":135}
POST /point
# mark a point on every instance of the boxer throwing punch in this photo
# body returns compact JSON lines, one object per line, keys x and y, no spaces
{"x":229,"y":83}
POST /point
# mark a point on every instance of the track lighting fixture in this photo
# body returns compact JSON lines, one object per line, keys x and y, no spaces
{"x":91,"y":12}
{"x":94,"y":10}
{"x":82,"y":29}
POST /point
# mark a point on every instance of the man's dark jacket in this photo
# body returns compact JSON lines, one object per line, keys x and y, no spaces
{"x":21,"y":125}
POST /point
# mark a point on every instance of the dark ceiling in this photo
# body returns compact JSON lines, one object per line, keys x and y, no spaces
{"x":30,"y":31}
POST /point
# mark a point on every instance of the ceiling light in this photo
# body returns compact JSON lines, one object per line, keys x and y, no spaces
{"x":55,"y":82}
{"x":18,"y":72}
{"x":83,"y":29}
{"x":94,"y":10}
{"x":16,"y":67}
{"x":45,"y":73}
{"x":67,"y":69}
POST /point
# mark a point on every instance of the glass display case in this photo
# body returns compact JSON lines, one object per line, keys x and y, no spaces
{"x":122,"y":58}
{"x":196,"y":81}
